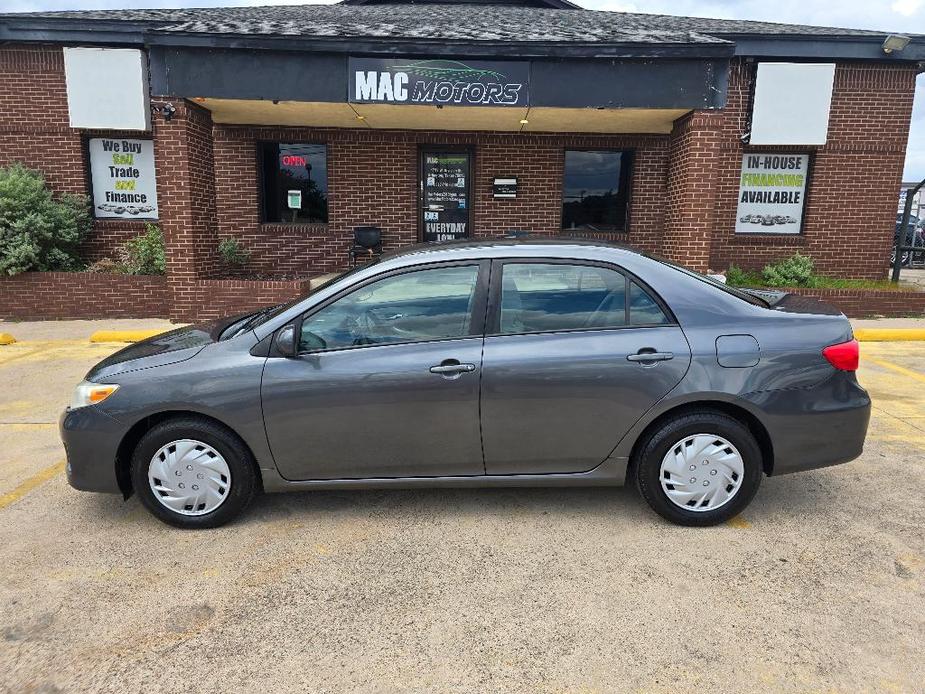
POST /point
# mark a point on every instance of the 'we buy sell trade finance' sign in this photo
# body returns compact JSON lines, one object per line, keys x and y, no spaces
{"x":122,"y":173}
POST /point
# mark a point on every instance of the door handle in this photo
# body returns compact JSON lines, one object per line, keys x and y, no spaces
{"x":644,"y":357}
{"x":452,"y":368}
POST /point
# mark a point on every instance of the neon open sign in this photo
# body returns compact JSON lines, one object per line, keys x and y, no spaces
{"x":293,"y":160}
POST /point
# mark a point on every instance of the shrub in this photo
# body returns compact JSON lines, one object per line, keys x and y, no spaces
{"x":795,"y":271}
{"x":37,"y":231}
{"x":233,"y":252}
{"x":144,"y":254}
{"x":737,"y":277}
{"x":106,"y":265}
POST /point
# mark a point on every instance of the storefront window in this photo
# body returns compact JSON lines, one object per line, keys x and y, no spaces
{"x":595,"y":190}
{"x":295,"y":183}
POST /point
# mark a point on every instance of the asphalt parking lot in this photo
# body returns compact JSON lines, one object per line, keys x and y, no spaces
{"x":819,"y":586}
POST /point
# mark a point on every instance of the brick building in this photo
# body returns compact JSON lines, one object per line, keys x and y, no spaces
{"x":707,"y":141}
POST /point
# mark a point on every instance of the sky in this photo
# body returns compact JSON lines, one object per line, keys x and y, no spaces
{"x":898,"y":16}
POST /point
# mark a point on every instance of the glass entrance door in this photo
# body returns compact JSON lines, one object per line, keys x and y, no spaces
{"x":445,"y":186}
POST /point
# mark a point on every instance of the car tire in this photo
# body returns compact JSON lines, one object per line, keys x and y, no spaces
{"x":194,"y":453}
{"x":654,"y":469}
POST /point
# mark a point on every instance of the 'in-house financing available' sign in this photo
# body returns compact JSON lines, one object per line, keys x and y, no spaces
{"x":772,"y":190}
{"x":122,"y":172}
{"x":438,"y":82}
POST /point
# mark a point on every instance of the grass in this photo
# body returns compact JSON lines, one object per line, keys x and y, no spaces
{"x":737,"y":277}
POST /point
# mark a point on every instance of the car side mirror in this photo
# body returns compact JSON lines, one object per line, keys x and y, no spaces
{"x":285,"y":341}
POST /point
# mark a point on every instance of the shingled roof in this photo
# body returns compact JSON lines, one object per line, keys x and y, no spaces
{"x":449,"y":22}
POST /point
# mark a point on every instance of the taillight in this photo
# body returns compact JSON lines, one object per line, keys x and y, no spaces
{"x":843,"y":356}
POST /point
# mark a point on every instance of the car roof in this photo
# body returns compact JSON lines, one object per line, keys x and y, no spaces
{"x":545,"y":241}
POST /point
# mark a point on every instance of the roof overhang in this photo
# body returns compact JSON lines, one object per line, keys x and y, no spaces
{"x":387,"y":116}
{"x":298,"y":76}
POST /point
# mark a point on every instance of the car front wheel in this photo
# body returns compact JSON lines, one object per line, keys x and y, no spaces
{"x":700,"y":468}
{"x":193,"y":473}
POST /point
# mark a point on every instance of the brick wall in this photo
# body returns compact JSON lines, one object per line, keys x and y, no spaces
{"x":855,"y":178}
{"x":210,"y":299}
{"x":34,"y":130}
{"x":372,"y":180}
{"x":61,"y":295}
{"x":75,"y":295}
{"x":865,"y":303}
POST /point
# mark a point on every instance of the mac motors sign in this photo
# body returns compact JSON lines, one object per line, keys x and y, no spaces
{"x":438,"y":82}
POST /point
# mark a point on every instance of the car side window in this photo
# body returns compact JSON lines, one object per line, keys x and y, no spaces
{"x":644,"y":310}
{"x":542,"y":297}
{"x":416,"y":306}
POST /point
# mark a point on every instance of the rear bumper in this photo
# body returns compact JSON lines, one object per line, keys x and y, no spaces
{"x":91,"y":441}
{"x":815,"y":427}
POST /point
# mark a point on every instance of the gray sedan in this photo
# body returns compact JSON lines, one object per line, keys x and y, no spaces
{"x":495,"y":363}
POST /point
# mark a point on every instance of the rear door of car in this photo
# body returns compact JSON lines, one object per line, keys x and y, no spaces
{"x":575,"y":353}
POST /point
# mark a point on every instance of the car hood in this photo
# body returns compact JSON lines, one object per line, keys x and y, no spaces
{"x":167,"y":348}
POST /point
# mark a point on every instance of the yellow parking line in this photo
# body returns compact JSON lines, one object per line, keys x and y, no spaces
{"x":897,"y":368}
{"x":21,"y":355}
{"x":30,"y":484}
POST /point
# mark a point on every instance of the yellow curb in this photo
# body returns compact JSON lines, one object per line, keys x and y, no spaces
{"x":889,"y":334}
{"x":123,"y":335}
{"x":6,"y":339}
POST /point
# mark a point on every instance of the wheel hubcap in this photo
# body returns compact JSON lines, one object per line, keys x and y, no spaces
{"x":701,"y":472}
{"x":189,"y":477}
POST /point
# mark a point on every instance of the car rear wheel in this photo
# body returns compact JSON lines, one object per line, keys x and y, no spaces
{"x":193,"y":473}
{"x":700,"y":468}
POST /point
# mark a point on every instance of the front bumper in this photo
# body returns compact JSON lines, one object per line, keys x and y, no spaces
{"x":91,"y":441}
{"x":815,"y":427}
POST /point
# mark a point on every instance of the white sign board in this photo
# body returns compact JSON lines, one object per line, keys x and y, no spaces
{"x":107,"y":88}
{"x":772,"y":191}
{"x":792,"y":103}
{"x":122,"y":173}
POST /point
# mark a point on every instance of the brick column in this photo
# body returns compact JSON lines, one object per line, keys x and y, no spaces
{"x":693,"y":165}
{"x":186,"y":198}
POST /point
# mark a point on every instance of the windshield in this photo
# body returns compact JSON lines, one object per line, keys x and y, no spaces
{"x":252,"y":320}
{"x":738,"y":293}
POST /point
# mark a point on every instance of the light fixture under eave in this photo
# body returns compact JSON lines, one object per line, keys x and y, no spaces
{"x":524,"y":121}
{"x":359,"y":117}
{"x":895,"y":43}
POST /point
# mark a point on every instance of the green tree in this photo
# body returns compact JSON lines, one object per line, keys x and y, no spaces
{"x":37,"y":231}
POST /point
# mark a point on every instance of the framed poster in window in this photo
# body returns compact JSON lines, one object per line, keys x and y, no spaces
{"x":772,"y":193}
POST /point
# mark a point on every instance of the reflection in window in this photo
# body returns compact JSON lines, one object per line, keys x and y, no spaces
{"x":644,"y":310}
{"x":595,"y":190}
{"x":546,"y":297}
{"x":423,"y":305}
{"x":295,"y":183}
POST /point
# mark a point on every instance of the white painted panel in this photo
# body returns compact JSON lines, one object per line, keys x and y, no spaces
{"x":122,"y":174}
{"x":107,"y":88}
{"x":792,"y":102}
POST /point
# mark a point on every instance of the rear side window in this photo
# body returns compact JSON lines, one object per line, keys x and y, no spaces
{"x":548,"y":297}
{"x":543,"y":297}
{"x":644,"y":310}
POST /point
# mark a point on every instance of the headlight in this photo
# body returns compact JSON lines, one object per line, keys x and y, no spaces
{"x":87,"y":393}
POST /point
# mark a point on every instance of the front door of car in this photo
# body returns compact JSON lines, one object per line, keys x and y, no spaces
{"x":575,"y":354}
{"x":386,"y":381}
